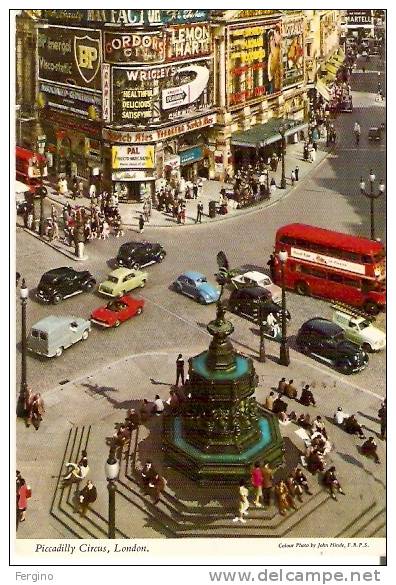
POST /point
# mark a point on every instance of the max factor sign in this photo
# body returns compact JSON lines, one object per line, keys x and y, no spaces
{"x":126,"y":17}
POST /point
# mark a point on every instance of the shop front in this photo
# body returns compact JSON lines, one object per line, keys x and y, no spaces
{"x":132,"y":186}
{"x":193,"y":163}
{"x":133,"y":171}
{"x":261,"y":141}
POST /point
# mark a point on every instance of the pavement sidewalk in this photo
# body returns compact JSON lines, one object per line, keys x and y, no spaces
{"x":100,"y":400}
{"x":211,"y":191}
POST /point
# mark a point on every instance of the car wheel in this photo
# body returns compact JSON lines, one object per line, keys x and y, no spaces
{"x":160,"y":258}
{"x":59,"y":352}
{"x":345,"y":368}
{"x":302,"y":288}
{"x":135,"y":266}
{"x":139,"y":311}
{"x":85,"y":335}
{"x":367,"y":348}
{"x":201,"y":300}
{"x":57,"y":299}
{"x":89,"y":285}
{"x":143,"y":284}
{"x":177,"y":287}
{"x":371,"y":308}
{"x":117,"y":323}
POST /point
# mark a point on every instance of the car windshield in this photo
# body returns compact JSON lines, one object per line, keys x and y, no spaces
{"x":116,"y":306}
{"x":364,"y":324}
{"x":111,"y":278}
{"x":265,"y":281}
{"x":48,"y":279}
{"x":201,"y":280}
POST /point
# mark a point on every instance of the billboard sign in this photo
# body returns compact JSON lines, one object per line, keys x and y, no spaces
{"x":254,"y":67}
{"x":70,"y":56}
{"x":293,"y":51}
{"x":122,"y":17}
{"x":162,"y":93}
{"x":70,"y":99}
{"x":359,"y":18}
{"x":188,"y":41}
{"x":133,"y":156}
{"x":134,"y":47}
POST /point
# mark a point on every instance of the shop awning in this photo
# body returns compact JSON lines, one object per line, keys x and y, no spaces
{"x":264,"y":134}
{"x":322,"y":88}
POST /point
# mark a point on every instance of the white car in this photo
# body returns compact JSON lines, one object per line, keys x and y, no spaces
{"x":360,"y":331}
{"x":255,"y":278}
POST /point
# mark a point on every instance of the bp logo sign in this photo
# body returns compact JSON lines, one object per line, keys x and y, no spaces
{"x":87,"y":55}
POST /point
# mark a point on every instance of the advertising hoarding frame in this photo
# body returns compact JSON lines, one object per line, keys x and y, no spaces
{"x":266,"y":25}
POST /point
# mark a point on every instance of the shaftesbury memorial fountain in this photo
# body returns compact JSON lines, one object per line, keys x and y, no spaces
{"x":221,"y":430}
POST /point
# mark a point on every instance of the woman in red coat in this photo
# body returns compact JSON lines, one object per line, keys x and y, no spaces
{"x":23,"y":495}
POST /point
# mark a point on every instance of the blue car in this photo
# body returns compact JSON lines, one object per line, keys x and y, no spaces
{"x":195,"y":285}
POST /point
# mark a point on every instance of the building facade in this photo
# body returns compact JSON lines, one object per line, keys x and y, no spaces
{"x":130,"y":97}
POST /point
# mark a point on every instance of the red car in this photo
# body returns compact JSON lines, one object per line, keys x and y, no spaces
{"x":117,"y":311}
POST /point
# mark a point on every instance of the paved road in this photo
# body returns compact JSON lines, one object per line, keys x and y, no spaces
{"x":330,"y":198}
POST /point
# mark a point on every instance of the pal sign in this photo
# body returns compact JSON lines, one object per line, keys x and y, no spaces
{"x":133,"y":157}
{"x":187,"y":93}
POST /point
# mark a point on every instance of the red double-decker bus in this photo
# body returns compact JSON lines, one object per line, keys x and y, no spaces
{"x":31,"y":167}
{"x":333,"y":265}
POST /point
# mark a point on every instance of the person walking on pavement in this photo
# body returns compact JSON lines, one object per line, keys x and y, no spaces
{"x":148,"y":475}
{"x":356,"y":130}
{"x":267,"y":483}
{"x":23,"y":494}
{"x":74,"y":187}
{"x":179,"y":369}
{"x":159,"y":483}
{"x":141,"y":224}
{"x":271,"y":266}
{"x":256,"y":479}
{"x":199,"y":212}
{"x":195,"y":189}
{"x":81,"y":188}
{"x":382,"y":417}
{"x":293,"y":178}
{"x":296,"y":172}
{"x":243,"y":502}
{"x":87,"y":496}
{"x":35,"y":409}
{"x":92,"y":191}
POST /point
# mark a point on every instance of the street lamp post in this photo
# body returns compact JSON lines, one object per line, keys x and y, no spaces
{"x":112,"y":469}
{"x":284,"y":357}
{"x":21,"y":404}
{"x":372,"y":196}
{"x":282,"y":131}
{"x":262,"y":356}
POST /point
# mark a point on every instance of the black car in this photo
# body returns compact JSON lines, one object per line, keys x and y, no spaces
{"x":326,"y":340}
{"x":246,"y":301}
{"x":60,"y":283}
{"x":138,"y":254}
